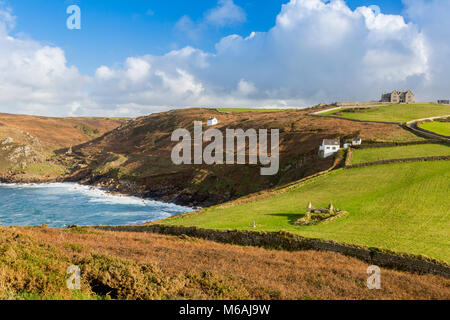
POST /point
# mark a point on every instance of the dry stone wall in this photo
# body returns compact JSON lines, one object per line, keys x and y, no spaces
{"x":291,"y":242}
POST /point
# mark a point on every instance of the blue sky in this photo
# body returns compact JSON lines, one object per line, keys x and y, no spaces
{"x":113,"y":30}
{"x":136,"y":57}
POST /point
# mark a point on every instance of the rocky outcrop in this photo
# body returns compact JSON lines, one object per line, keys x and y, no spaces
{"x":18,"y":154}
{"x":7,"y":141}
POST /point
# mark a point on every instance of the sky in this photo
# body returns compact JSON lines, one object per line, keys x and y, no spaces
{"x":116,"y":29}
{"x":136,"y":57}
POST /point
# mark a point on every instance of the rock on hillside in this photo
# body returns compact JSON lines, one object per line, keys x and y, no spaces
{"x":19,"y":155}
{"x":27,"y":144}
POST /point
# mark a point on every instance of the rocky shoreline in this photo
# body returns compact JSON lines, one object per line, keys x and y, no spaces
{"x":122,"y":187}
{"x":167,"y":194}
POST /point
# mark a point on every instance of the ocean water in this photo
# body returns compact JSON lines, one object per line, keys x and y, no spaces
{"x":62,"y":204}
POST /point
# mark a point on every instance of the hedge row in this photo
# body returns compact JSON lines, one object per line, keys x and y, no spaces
{"x":435,"y":158}
{"x":395,"y":144}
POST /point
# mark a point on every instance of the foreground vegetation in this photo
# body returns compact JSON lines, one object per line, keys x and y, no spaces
{"x":403,"y":207}
{"x":401,"y":152}
{"x":400,"y":113}
{"x":121,"y":265}
{"x":442,"y":128}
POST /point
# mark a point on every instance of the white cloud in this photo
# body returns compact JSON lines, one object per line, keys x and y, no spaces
{"x":137,"y":69}
{"x":246,"y":88}
{"x":104,"y":73}
{"x":316,"y":52}
{"x":7,"y":20}
{"x":432,"y":17}
{"x":189,"y":29}
{"x":35,"y":78}
{"x":226,"y":13}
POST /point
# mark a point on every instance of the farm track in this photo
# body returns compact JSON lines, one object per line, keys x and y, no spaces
{"x":412,"y":126}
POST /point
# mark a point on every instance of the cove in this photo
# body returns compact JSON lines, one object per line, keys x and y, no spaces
{"x":59,"y":205}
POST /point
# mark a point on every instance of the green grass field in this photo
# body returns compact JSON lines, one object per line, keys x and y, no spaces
{"x":442,"y":128}
{"x":400,"y":113}
{"x":233,"y":110}
{"x":402,"y":207}
{"x":402,"y":152}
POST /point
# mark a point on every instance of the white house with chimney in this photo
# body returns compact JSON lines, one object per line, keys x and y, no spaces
{"x":212,"y":122}
{"x":329,"y":147}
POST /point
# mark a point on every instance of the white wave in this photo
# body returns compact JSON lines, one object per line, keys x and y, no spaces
{"x":97,"y":195}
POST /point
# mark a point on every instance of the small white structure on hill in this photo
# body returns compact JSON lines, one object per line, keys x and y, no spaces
{"x":212,"y":122}
{"x":329,"y":147}
{"x":356,"y":141}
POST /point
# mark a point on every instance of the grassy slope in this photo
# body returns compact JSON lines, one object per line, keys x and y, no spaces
{"x":402,"y":207}
{"x":395,"y":113}
{"x":402,"y":152}
{"x":442,"y":128}
{"x":126,"y":265}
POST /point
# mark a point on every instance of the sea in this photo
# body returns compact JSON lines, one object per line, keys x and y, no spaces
{"x":59,"y":205}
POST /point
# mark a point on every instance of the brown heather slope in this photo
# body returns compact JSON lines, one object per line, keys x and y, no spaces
{"x":126,"y":265}
{"x":56,"y":133}
{"x":135,"y":158}
{"x":28,"y":142}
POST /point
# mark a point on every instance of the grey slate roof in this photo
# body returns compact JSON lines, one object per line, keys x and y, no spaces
{"x":331,"y":142}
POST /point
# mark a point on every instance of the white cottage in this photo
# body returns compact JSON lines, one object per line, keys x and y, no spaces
{"x":356,"y":141}
{"x":329,"y":147}
{"x":212,"y":122}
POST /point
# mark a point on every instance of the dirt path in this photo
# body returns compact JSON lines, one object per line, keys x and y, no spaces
{"x":412,"y":125}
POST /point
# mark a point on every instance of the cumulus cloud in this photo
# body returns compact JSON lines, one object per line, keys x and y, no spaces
{"x":189,"y":29}
{"x":7,"y":20}
{"x":35,"y":78}
{"x":317,"y":51}
{"x":226,"y":13}
{"x":432,"y":17}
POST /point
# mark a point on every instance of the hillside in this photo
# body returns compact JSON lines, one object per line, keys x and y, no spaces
{"x":400,"y":113}
{"x":124,"y":265}
{"x":55,"y":133}
{"x":439,"y":127}
{"x":402,"y":207}
{"x":135,"y":158}
{"x":27,"y":143}
{"x":399,"y":152}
